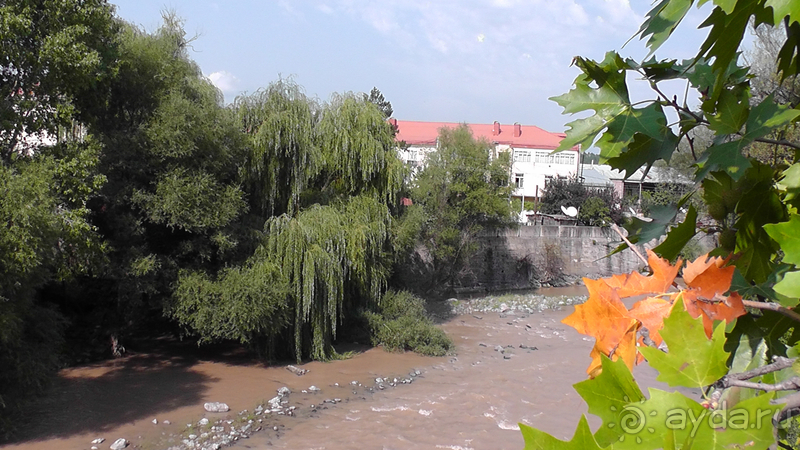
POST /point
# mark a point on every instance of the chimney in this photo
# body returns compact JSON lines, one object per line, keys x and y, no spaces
{"x":517,"y":129}
{"x":496,"y":128}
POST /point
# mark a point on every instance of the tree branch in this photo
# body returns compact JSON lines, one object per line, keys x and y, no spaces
{"x":731,"y":379}
{"x":773,"y":307}
{"x":788,"y":385}
{"x":630,"y":245}
{"x":779,"y":142}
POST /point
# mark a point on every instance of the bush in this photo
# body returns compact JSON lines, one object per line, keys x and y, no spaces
{"x":595,"y":213}
{"x":401,"y":323}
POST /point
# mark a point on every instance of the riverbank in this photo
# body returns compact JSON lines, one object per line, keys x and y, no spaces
{"x":515,"y":362}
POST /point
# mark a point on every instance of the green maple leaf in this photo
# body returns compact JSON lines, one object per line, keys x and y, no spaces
{"x":608,"y":394}
{"x":662,"y":20}
{"x":783,"y":8}
{"x":539,"y":440}
{"x":608,"y":99}
{"x":727,"y":156}
{"x":727,"y":30}
{"x":790,"y":183}
{"x":678,"y":237}
{"x":787,"y":234}
{"x":768,"y":116}
{"x":637,"y":136}
{"x":733,"y":109}
{"x":649,"y":424}
{"x":693,"y":360}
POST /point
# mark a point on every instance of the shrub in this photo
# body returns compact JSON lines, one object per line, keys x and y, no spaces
{"x":595,"y":213}
{"x":401,"y":323}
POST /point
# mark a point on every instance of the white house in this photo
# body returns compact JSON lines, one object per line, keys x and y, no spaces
{"x":530,"y":147}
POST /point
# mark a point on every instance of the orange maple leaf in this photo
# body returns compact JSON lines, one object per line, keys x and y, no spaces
{"x":634,"y":283}
{"x":651,"y":312}
{"x":708,"y":276}
{"x":603,"y":316}
{"x":615,"y":328}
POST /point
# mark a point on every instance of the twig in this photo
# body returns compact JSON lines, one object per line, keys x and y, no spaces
{"x":631,"y":246}
{"x":788,"y":385}
{"x":773,"y":307}
{"x":778,"y":363}
{"x":779,"y":142}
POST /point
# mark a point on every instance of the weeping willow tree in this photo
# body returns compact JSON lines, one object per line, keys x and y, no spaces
{"x":325,"y":178}
{"x":280,"y":122}
{"x":327,"y":254}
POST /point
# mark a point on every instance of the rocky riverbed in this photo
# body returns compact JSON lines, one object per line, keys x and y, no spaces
{"x":515,"y":362}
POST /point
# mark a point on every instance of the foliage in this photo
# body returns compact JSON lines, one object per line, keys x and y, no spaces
{"x":328,"y":253}
{"x":401,"y":323}
{"x":377,"y":99}
{"x":462,"y":192}
{"x":664,"y":194}
{"x":603,"y":203}
{"x":753,"y":200}
{"x":675,"y":331}
{"x":247,"y":304}
{"x":595,"y":213}
{"x":53,"y":55}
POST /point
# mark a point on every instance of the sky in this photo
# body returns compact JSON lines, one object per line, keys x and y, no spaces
{"x":441,"y":61}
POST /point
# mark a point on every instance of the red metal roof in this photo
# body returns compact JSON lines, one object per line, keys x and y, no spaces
{"x":520,"y":136}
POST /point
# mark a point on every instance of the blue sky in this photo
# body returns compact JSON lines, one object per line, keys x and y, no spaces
{"x":450,"y":60}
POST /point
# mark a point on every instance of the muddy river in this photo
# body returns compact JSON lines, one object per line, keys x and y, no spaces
{"x":510,"y":367}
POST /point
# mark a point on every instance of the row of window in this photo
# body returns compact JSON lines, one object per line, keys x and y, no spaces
{"x":519,"y":179}
{"x":544,"y":157}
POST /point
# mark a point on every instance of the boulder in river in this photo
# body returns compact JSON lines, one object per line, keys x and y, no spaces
{"x":119,"y":444}
{"x":216,"y":407}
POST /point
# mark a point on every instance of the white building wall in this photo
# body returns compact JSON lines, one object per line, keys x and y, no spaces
{"x":534,"y":165}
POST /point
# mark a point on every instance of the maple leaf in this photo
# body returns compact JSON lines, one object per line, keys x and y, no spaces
{"x":693,"y":359}
{"x":604,"y":317}
{"x":709,"y":276}
{"x":651,"y":312}
{"x":634,"y":283}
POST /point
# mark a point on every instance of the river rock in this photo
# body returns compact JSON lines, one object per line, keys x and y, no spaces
{"x":296,"y":370}
{"x":216,"y":407}
{"x":98,"y":441}
{"x":284,"y":391}
{"x":203,"y":421}
{"x":119,"y":444}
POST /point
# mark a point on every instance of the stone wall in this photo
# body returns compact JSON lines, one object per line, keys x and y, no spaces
{"x":544,"y":254}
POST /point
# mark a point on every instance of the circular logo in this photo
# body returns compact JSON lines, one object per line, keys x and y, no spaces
{"x":632,"y":419}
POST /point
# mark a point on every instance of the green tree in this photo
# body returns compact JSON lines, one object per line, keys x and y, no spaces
{"x":757,"y":206}
{"x":462,"y":192}
{"x":173,"y":199}
{"x":53,"y":58}
{"x":324,"y":178}
{"x":376,"y":98}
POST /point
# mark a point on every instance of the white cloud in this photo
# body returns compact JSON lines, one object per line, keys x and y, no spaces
{"x":224,"y":81}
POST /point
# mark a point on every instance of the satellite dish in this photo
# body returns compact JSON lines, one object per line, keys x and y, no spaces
{"x":570,"y":211}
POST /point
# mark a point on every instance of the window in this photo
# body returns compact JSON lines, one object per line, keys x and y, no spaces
{"x":563,"y":158}
{"x":522,"y":156}
{"x":519,"y":180}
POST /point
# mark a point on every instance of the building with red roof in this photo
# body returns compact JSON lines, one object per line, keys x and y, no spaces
{"x":531,"y":148}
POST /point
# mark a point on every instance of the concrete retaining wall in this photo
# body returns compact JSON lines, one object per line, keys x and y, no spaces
{"x":533,"y":255}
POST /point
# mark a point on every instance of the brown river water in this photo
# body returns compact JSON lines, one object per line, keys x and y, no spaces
{"x":471,"y":400}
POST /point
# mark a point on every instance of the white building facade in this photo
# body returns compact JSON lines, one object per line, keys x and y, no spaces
{"x":531,"y":147}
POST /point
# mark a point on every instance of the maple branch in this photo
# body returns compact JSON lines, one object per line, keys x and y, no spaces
{"x":779,"y":142}
{"x":738,"y":379}
{"x":772,"y":307}
{"x":788,"y":385}
{"x":630,"y":245}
